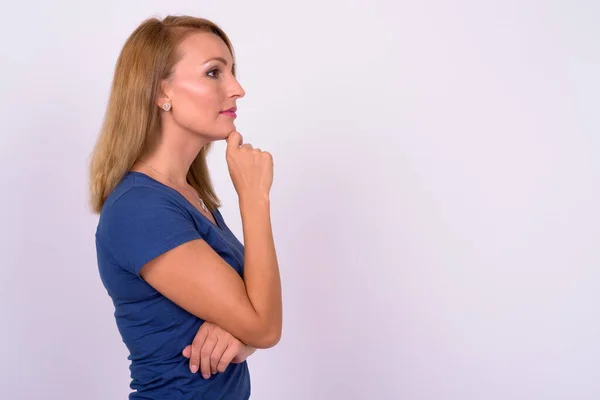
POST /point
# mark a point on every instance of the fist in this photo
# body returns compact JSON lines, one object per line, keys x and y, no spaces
{"x":251,"y":169}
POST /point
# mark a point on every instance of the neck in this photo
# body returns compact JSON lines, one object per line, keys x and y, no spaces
{"x":174,"y":153}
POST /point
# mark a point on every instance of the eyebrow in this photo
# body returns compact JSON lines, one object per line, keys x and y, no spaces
{"x":221,"y":59}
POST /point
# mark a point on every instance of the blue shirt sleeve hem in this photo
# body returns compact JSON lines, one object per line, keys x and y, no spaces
{"x":173,"y":242}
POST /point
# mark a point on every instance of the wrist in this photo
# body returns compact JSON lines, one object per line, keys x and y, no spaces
{"x":248,"y":351}
{"x":254,"y":199}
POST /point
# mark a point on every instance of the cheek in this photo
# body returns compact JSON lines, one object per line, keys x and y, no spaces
{"x":197,"y":102}
{"x":196,"y":106}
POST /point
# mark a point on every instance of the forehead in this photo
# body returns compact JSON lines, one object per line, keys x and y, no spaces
{"x":198,"y":47}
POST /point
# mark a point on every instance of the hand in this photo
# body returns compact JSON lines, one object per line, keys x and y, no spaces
{"x":213,"y":349}
{"x":251,"y":169}
{"x":246,"y":352}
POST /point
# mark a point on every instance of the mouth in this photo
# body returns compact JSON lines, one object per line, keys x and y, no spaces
{"x":230,"y":112}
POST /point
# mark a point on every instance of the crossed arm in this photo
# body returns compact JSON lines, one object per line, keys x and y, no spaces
{"x":244,"y":313}
{"x":213,"y":349}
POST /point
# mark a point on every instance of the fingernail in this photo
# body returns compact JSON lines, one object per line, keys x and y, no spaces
{"x":206,"y":376}
{"x":194,"y":369}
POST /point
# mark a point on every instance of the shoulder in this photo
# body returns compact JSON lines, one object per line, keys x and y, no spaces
{"x":138,"y":192}
{"x":139,"y":202}
{"x":141,"y":220}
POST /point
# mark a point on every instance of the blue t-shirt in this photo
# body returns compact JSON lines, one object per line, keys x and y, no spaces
{"x":140,"y":220}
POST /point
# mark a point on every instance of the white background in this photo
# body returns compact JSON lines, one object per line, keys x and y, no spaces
{"x":435,"y":201}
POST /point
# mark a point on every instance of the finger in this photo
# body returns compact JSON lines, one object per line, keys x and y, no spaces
{"x":230,"y":353}
{"x":247,"y":146}
{"x":216,"y":355}
{"x":196,"y":349}
{"x":207,"y":349}
{"x":187,"y":352}
{"x":234,"y":140}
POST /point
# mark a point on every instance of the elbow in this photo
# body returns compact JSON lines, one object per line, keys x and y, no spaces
{"x":266,"y":339}
{"x":271,"y":339}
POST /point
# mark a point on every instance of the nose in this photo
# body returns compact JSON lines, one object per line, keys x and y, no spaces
{"x":236,"y":90}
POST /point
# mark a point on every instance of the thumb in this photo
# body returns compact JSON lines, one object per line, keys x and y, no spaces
{"x":234,"y":139}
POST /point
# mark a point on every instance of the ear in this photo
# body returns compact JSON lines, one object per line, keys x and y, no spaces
{"x":163,"y":96}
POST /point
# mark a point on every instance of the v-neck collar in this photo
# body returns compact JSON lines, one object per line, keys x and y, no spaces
{"x":214,"y":215}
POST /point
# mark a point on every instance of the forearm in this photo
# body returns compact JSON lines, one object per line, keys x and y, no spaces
{"x":249,"y":351}
{"x":261,"y":270}
{"x":243,"y":356}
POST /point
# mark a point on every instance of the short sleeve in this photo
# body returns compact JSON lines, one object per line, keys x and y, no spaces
{"x":142,"y":224}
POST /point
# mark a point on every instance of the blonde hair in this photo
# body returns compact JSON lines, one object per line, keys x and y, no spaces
{"x":132,"y":119}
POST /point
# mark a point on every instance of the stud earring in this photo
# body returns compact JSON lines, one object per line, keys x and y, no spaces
{"x":166,"y":106}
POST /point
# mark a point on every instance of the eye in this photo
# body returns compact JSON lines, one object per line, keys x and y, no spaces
{"x":215,"y":73}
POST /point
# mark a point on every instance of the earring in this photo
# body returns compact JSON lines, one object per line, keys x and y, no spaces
{"x":166,"y":106}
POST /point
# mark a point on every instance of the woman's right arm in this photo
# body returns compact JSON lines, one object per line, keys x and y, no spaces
{"x":197,"y":279}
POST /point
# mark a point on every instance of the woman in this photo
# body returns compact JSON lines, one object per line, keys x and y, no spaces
{"x":167,"y":259}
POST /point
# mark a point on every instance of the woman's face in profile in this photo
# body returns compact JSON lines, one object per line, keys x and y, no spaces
{"x":202,"y":86}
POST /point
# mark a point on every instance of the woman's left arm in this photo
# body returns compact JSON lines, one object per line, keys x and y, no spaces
{"x":213,"y":349}
{"x":246,"y":352}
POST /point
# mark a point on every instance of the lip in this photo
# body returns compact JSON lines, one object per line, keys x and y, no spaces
{"x":230,"y":112}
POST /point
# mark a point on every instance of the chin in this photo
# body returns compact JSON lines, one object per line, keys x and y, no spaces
{"x":221,"y":133}
{"x":226,"y":131}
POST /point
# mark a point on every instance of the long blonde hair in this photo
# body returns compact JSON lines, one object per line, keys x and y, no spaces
{"x":132,"y":119}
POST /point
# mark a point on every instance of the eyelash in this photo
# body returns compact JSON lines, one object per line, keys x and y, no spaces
{"x":214,"y":70}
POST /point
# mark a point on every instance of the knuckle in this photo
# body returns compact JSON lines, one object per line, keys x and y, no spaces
{"x":222,"y":366}
{"x":237,"y":345}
